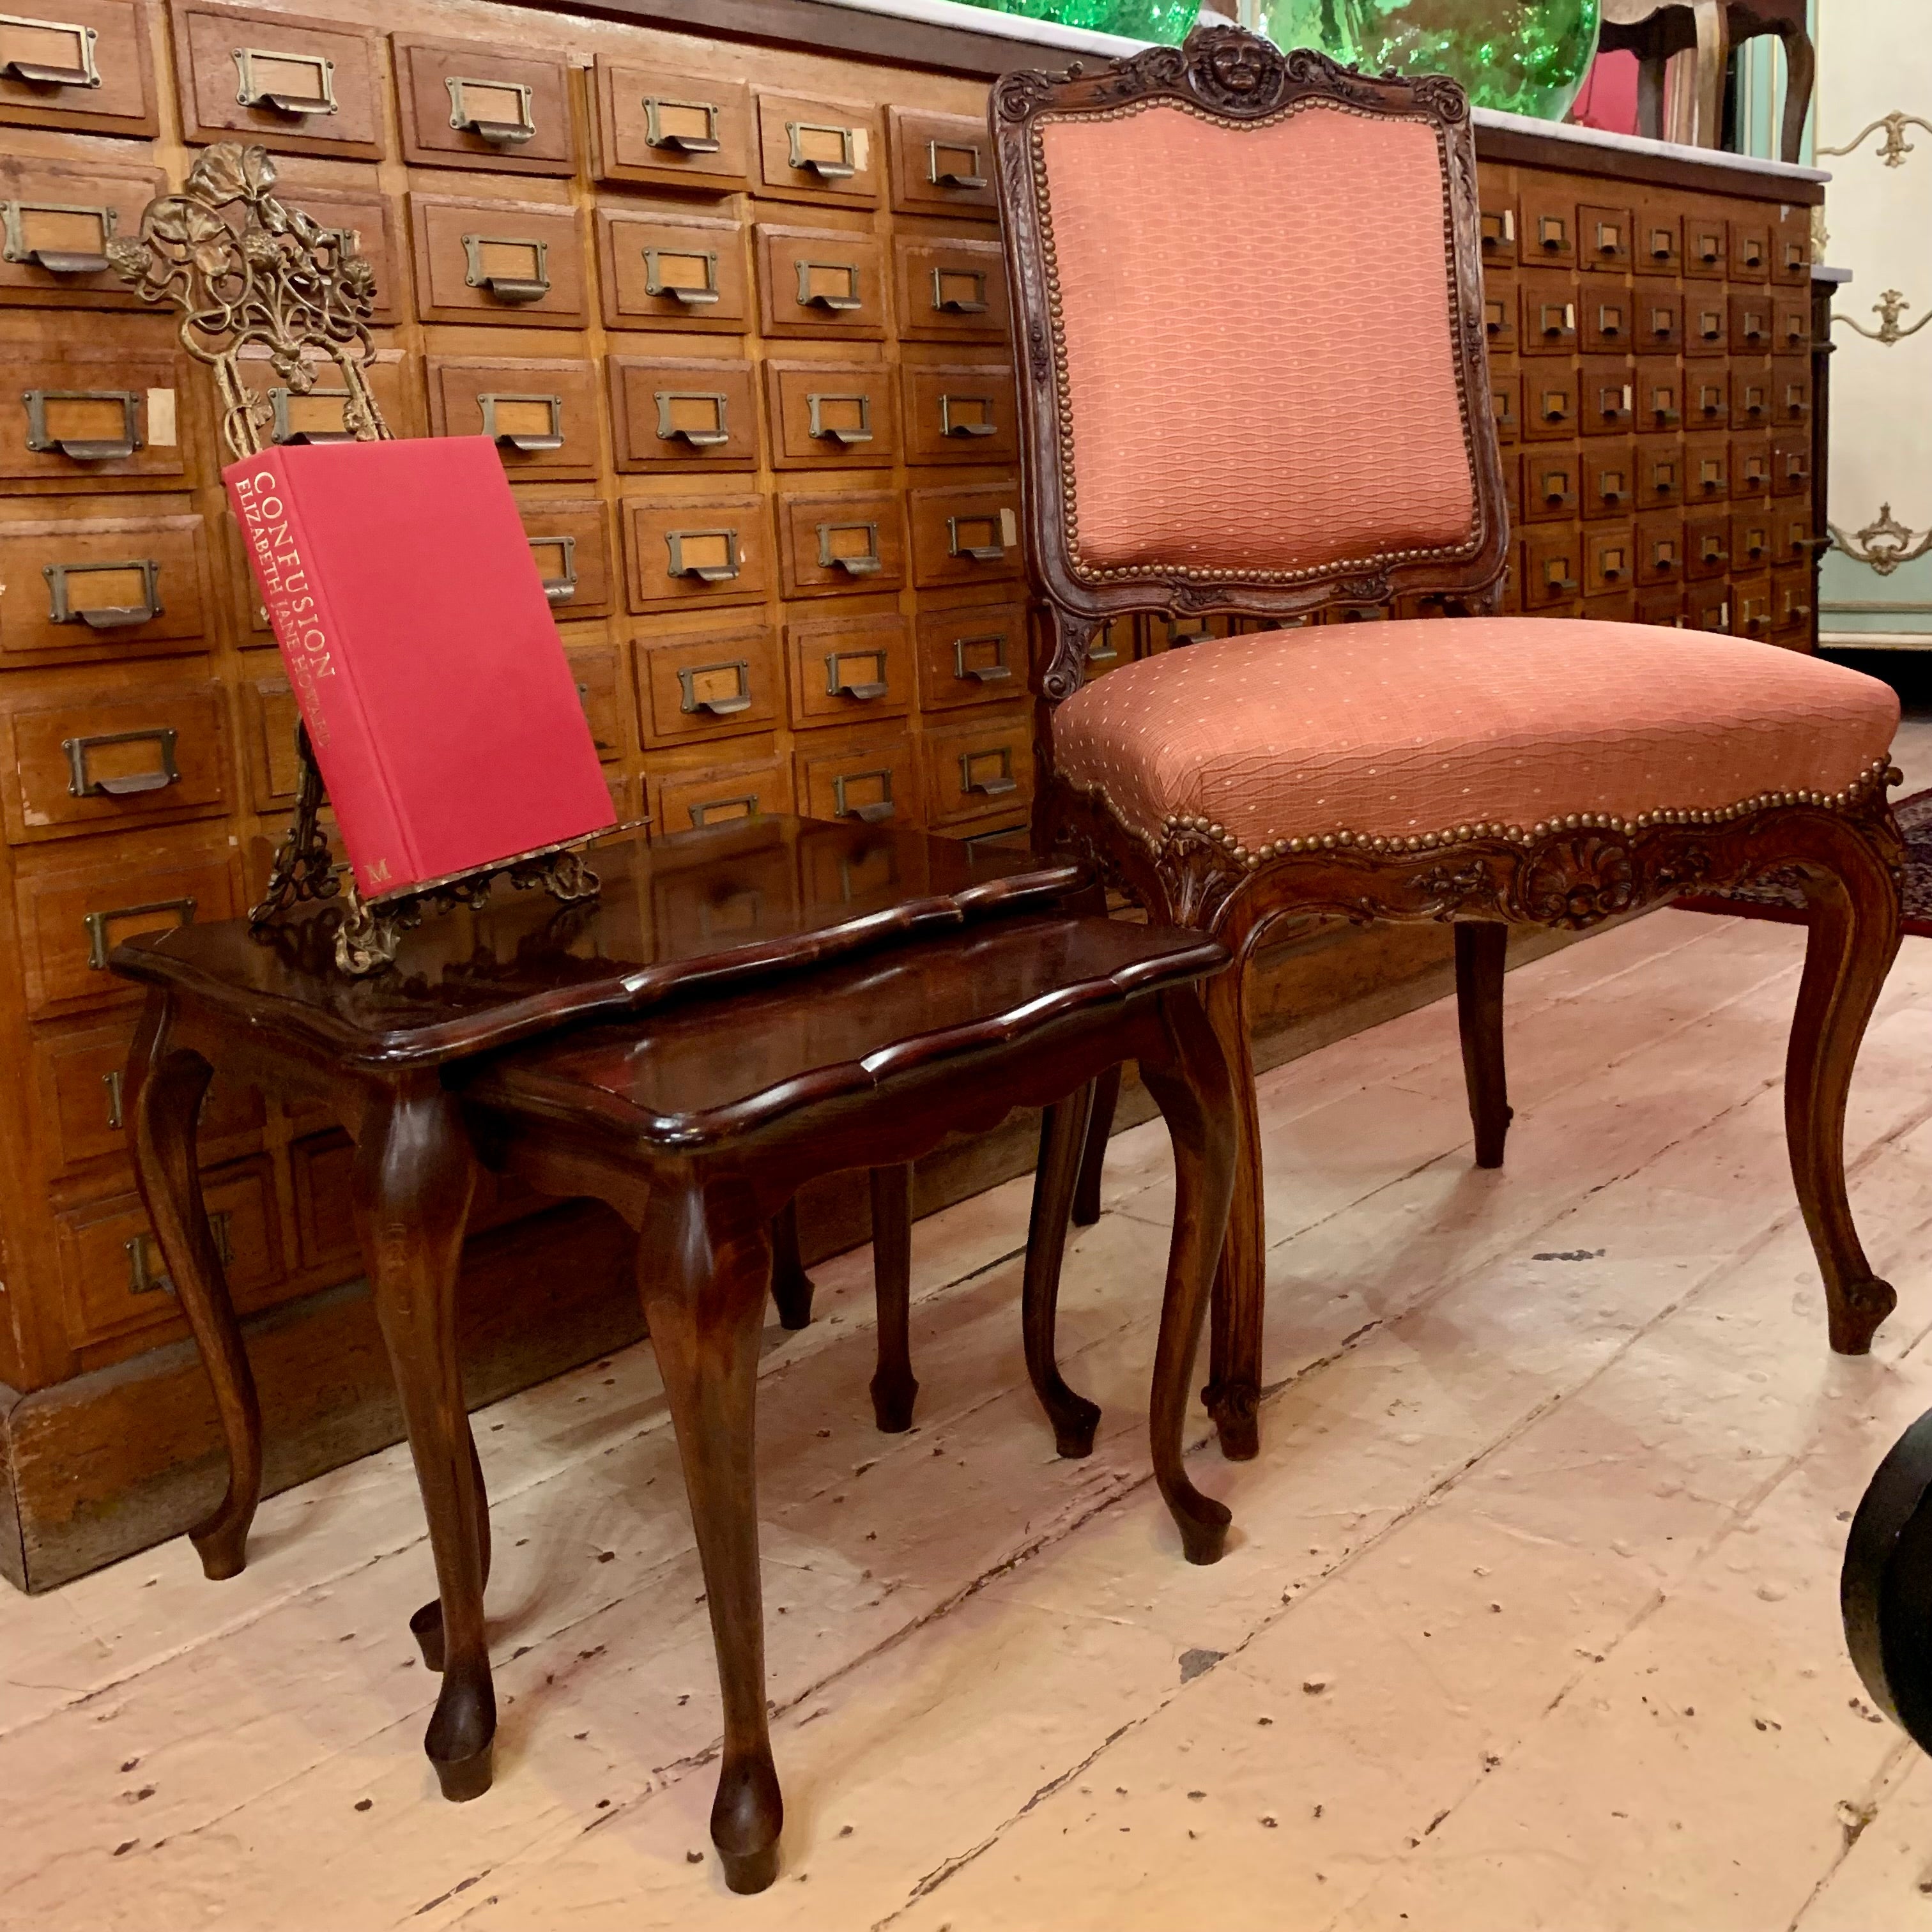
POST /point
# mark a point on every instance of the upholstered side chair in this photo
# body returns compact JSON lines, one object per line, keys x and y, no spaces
{"x":1246,"y":286}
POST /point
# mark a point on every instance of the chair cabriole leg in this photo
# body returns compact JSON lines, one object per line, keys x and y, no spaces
{"x":1480,"y":946}
{"x":1233,"y":1393}
{"x":895,"y":1389}
{"x":1093,"y":1159}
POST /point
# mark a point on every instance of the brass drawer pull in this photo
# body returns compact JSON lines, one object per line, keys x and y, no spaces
{"x":144,"y":1278}
{"x":1556,"y":488}
{"x":1711,"y":475}
{"x":1710,"y":248}
{"x":559,"y":590}
{"x":1498,"y":226}
{"x":527,"y":440}
{"x":670,"y":430}
{"x":693,"y":295}
{"x":998,"y":671}
{"x":1754,"y":402}
{"x":1711,"y":550}
{"x":1610,"y":321}
{"x":42,"y":36}
{"x":715,"y":557}
{"x":985,"y":553}
{"x":840,"y":683}
{"x":1710,"y":399}
{"x":944,"y":304}
{"x":1797,"y":255}
{"x":56,"y":261}
{"x":1756,"y":544}
{"x":965,"y":426}
{"x":993,"y":787}
{"x":1610,"y":489}
{"x":1611,"y":404}
{"x":1495,"y":317}
{"x":679,"y":140}
{"x":878,"y":812}
{"x":1664,"y":323}
{"x":80,"y":784}
{"x":1099,"y":652}
{"x":826,"y":169}
{"x":519,"y":289}
{"x":718,"y":706}
{"x":867,"y":562}
{"x":1796,"y":404}
{"x":103,"y":616}
{"x":1556,"y":575}
{"x":98,"y":923}
{"x":1663,"y":244}
{"x":112,"y":1080}
{"x":84,"y":448}
{"x":1556,"y":405}
{"x":1552,"y":231}
{"x":1610,"y":564}
{"x":1609,"y":238}
{"x":1754,"y":329}
{"x":1663,"y":479}
{"x":482,"y":123}
{"x":1559,"y":318}
{"x":1711,"y":327}
{"x":1663,"y":557}
{"x":821,"y":430}
{"x":944,"y":174}
{"x":271,"y":87}
{"x":809,"y":297}
{"x":1752,"y":252}
{"x":281,"y":427}
{"x":700,"y":815}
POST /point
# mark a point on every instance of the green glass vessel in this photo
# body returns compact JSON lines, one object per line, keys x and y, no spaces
{"x":1521,"y":56}
{"x":1165,"y":21}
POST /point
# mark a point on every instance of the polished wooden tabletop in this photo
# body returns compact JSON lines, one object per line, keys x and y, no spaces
{"x":696,"y":910}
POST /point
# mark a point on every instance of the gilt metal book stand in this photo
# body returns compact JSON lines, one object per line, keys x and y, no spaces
{"x":249,"y":272}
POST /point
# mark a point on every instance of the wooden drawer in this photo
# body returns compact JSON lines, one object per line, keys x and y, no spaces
{"x":1790,"y":465}
{"x":1659,"y":382}
{"x":1790,"y":322}
{"x":1791,"y":602}
{"x":269,"y":717}
{"x":85,"y":418}
{"x":465,"y":104}
{"x":56,"y":223}
{"x":1751,"y":606}
{"x":1549,"y":222}
{"x":1609,"y":479}
{"x":977,"y":654}
{"x":1750,"y":246}
{"x":820,"y":282}
{"x":1512,"y":491}
{"x":1751,"y":465}
{"x":570,"y":540}
{"x":812,"y":149}
{"x":1610,"y":558}
{"x":1506,"y":404}
{"x":852,"y":542}
{"x":1751,"y":315}
{"x":674,"y":130}
{"x":542,"y":414}
{"x":80,"y":1078}
{"x":1751,"y":394}
{"x":102,"y":587}
{"x":1608,"y":396}
{"x":516,"y":261}
{"x":1792,"y":243}
{"x":1658,"y":237}
{"x":1550,"y":413}
{"x":1603,"y":235}
{"x":1659,"y":319}
{"x":75,"y":905}
{"x":1607,"y":314}
{"x":966,"y":535}
{"x":106,"y":759}
{"x":1707,"y":545}
{"x":682,"y":414}
{"x":660,"y":270}
{"x":692,"y":687}
{"x":1167,"y":633}
{"x":303,"y":86}
{"x":1707,"y":606}
{"x":941,"y":163}
{"x":111,"y":1268}
{"x":831,"y":415}
{"x":1707,"y":322}
{"x":1552,"y":485}
{"x":696,"y":551}
{"x":1501,"y":307}
{"x":1791,"y":392}
{"x":1552,"y":567}
{"x":960,"y":412}
{"x":87,"y":68}
{"x":322,"y":1168}
{"x":1660,"y":474}
{"x":1664,"y":607}
{"x":1660,"y":547}
{"x":319,"y":414}
{"x":1707,"y":393}
{"x":1706,"y":246}
{"x":714,"y":794}
{"x":951,"y":289}
{"x":848,"y":670}
{"x":872,"y":777}
{"x":1707,"y":469}
{"x":370,"y":221}
{"x":1117,"y":642}
{"x":985,"y":766}
{"x":604,"y":694}
{"x":1753,"y":538}
{"x":1551,"y":301}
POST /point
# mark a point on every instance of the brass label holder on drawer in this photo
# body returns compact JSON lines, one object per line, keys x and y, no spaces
{"x":1558,"y":319}
{"x":809,"y":297}
{"x":1498,"y":226}
{"x":839,"y":682}
{"x":84,"y":448}
{"x":679,"y":140}
{"x":561,"y":589}
{"x":993,"y":787}
{"x":1612,"y":487}
{"x":984,"y":552}
{"x":481,"y":122}
{"x":700,"y":813}
{"x":530,"y":441}
{"x":876,"y":813}
{"x":1552,"y":233}
{"x":143,"y":1278}
{"x":1556,"y":574}
{"x":688,"y":559}
{"x":1610,"y":564}
{"x":822,"y":430}
{"x":80,"y":784}
{"x":942,"y":173}
{"x":709,"y":436}
{"x":56,"y":261}
{"x":112,"y":1080}
{"x":944,"y":304}
{"x":43,"y":38}
{"x":61,"y":608}
{"x":866,"y":563}
{"x":999,"y":671}
{"x":822,"y":165}
{"x":262,"y":77}
{"x":98,"y":923}
{"x":532,"y":287}
{"x":983,"y":425}
{"x":692,"y":295}
{"x":718,"y":706}
{"x":1663,"y":554}
{"x":281,"y":426}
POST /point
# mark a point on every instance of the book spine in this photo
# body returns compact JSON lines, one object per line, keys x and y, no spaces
{"x":320,"y":662}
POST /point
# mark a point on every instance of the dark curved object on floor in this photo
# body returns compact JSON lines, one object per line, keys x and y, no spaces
{"x":1885,"y":1589}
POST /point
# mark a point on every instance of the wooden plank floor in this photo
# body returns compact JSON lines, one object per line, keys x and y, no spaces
{"x":1530,"y":1618}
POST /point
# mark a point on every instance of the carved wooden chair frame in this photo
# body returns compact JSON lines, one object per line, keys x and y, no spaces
{"x":1843,"y":851}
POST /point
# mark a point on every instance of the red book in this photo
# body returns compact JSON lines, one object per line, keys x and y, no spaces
{"x":445,"y":720}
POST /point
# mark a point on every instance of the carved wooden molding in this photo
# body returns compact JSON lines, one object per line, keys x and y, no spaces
{"x":1884,"y":545}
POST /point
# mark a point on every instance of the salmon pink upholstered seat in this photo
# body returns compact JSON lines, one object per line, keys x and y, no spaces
{"x":1413,"y":731}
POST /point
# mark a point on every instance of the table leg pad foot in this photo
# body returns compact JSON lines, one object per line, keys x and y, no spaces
{"x":892,"y":1400}
{"x":1203,"y":1531}
{"x":222,"y":1544}
{"x":750,"y":1871}
{"x":426,"y":1627}
{"x":464,"y":1778}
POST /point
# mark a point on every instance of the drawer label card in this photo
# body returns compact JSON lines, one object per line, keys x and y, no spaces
{"x":161,"y":433}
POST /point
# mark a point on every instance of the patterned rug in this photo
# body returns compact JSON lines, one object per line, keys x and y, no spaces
{"x":1781,"y":902}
